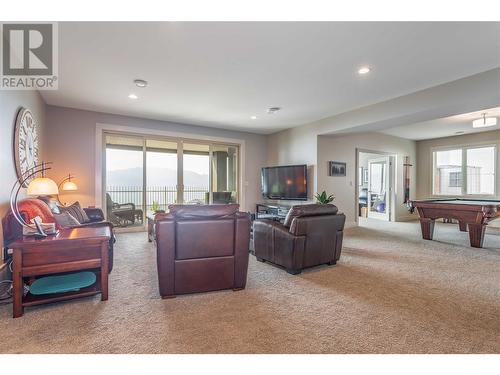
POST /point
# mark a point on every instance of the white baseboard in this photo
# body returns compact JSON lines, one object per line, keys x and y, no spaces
{"x":350,"y":224}
{"x":409,"y":217}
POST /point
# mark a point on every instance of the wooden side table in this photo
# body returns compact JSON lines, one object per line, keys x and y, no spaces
{"x":70,"y":250}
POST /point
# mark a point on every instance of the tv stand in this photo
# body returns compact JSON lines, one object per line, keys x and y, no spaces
{"x":271,"y":211}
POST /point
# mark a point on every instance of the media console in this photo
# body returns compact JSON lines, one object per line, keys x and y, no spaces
{"x":272,"y":211}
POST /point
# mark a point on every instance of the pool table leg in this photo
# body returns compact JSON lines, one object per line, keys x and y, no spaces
{"x":427,"y":226}
{"x":476,"y":234}
{"x":463,"y":226}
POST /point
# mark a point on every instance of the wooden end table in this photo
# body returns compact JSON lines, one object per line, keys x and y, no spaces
{"x":70,"y":250}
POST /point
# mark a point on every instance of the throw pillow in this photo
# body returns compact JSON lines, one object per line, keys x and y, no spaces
{"x":77,"y":212}
{"x":66,"y":220}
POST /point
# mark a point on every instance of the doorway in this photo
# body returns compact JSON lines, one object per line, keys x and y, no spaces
{"x":375,"y":193}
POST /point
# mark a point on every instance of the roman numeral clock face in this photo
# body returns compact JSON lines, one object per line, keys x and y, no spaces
{"x":26,"y":147}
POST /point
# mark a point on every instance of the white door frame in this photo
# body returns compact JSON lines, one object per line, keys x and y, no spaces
{"x":394,"y":180}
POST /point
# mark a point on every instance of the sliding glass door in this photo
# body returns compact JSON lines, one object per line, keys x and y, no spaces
{"x":124,"y":176}
{"x":196,"y":173}
{"x":146,"y":174}
{"x":224,"y":174}
{"x":161,"y":174}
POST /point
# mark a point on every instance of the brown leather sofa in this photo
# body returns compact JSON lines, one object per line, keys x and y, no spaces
{"x":311,"y":235}
{"x":202,"y":248}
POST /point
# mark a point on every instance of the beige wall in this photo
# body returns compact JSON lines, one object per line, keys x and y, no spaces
{"x":343,"y":148}
{"x":300,"y":145}
{"x":295,"y":146}
{"x":71,"y":141}
{"x":10,"y":103}
{"x":424,"y":161}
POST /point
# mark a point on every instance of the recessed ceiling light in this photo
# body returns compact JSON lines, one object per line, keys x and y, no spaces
{"x":484,"y":122}
{"x":140,"y":83}
{"x":364,"y":70}
{"x":253,"y":117}
{"x":273,"y":110}
{"x":460,"y":132}
{"x":133,"y":96}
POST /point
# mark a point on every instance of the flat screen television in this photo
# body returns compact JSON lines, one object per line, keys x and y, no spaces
{"x":285,"y":182}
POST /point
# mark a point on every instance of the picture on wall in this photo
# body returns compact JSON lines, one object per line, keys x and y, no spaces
{"x":365,"y":176}
{"x":336,"y":169}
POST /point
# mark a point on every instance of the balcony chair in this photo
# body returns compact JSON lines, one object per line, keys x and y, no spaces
{"x":122,"y":214}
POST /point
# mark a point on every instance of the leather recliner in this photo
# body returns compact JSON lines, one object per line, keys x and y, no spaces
{"x":202,"y":248}
{"x":311,"y":235}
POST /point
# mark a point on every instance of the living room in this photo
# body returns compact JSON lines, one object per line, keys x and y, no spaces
{"x":250,"y":188}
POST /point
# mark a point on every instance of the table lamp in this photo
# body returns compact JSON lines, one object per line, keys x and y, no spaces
{"x":38,"y":186}
{"x":66,"y":185}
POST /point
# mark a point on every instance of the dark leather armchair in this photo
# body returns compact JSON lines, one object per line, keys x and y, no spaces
{"x":202,"y":248}
{"x":311,"y":235}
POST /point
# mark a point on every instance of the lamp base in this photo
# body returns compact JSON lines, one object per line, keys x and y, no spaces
{"x":47,"y":228}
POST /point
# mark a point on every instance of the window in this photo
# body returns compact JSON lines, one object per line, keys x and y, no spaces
{"x":464,"y":171}
{"x":455,"y":179}
{"x":481,"y":170}
{"x":447,"y":163}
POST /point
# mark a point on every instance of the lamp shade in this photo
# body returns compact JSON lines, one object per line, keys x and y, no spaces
{"x":69,"y":186}
{"x":42,"y":186}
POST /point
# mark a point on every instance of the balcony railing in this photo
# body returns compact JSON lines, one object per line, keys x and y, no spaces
{"x":162,"y":195}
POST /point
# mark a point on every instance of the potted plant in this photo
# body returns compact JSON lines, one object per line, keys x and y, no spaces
{"x":155,"y":207}
{"x":323,"y":198}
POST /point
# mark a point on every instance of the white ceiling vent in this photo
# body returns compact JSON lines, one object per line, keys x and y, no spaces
{"x":273,"y":110}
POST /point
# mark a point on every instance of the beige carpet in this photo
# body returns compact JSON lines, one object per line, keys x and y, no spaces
{"x":391,"y":292}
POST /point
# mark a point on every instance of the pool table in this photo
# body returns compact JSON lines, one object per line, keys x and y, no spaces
{"x":472,"y":215}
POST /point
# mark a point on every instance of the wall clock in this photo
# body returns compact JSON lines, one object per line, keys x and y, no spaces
{"x":26,"y":147}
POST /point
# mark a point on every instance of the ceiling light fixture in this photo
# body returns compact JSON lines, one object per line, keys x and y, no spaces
{"x":133,"y":96}
{"x":273,"y":110}
{"x":484,"y":122}
{"x":141,"y":83}
{"x":364,"y":70}
{"x":253,"y":117}
{"x":460,"y":132}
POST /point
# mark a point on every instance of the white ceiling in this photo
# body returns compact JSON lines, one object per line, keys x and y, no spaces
{"x":219,"y":74}
{"x":445,"y":127}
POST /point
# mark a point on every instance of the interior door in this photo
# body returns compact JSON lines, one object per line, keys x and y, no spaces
{"x":379,"y":188}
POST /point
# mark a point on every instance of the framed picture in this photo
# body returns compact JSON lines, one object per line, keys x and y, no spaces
{"x":365,"y":175}
{"x":360,"y":176}
{"x":336,"y":169}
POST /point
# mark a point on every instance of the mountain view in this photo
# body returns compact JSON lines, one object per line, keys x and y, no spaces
{"x":155,"y":177}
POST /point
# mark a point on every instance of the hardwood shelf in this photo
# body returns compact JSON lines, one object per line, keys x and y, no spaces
{"x":33,"y":300}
